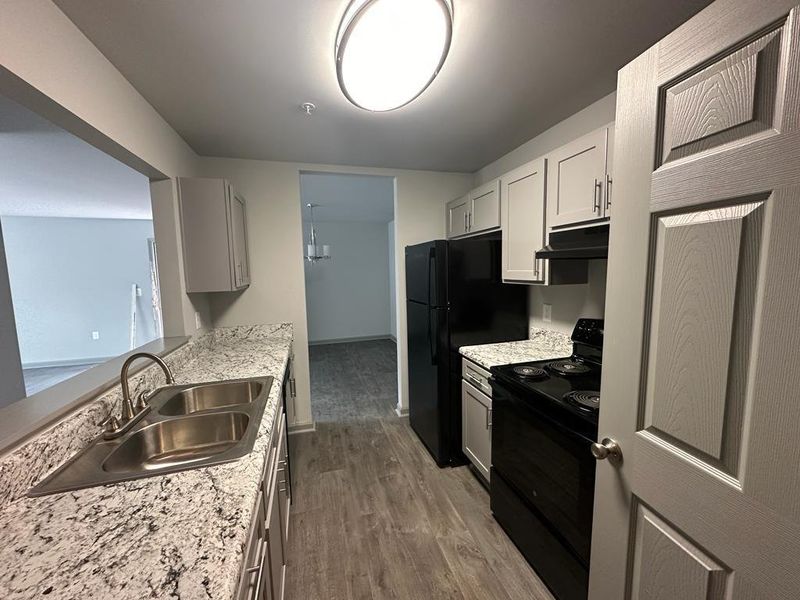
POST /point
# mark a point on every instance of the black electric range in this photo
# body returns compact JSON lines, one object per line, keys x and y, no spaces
{"x":542,"y":493}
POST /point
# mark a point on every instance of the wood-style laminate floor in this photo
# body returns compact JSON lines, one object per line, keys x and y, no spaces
{"x":41,"y":378}
{"x":373,"y":517}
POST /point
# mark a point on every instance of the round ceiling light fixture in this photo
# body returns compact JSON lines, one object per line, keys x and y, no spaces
{"x":389,"y":51}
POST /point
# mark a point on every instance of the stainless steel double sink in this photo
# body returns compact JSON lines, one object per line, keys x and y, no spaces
{"x":186,"y":427}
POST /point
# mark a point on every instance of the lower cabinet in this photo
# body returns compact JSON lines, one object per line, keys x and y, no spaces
{"x":476,"y":418}
{"x":264,"y":572}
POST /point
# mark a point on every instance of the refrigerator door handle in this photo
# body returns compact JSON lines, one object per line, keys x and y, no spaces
{"x":432,"y":338}
{"x":431,"y":258}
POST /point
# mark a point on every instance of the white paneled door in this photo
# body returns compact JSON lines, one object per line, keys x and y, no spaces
{"x":700,"y":380}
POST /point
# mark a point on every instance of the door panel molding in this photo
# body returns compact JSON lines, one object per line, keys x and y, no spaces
{"x":732,"y":98}
{"x":702,"y":297}
{"x":667,"y":565}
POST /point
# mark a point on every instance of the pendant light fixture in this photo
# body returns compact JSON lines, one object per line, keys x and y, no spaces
{"x":314,"y":251}
{"x":389,"y":51}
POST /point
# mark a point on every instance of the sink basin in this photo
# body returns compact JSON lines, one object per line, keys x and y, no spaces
{"x":188,"y":426}
{"x":178,"y":442}
{"x":211,"y":396}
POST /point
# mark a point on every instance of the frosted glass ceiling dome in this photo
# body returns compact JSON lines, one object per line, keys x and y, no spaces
{"x":389,"y":51}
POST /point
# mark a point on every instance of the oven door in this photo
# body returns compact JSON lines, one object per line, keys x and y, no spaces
{"x":547,"y":462}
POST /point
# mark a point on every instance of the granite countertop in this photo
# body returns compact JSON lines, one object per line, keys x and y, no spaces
{"x":177,"y":535}
{"x":542,"y":345}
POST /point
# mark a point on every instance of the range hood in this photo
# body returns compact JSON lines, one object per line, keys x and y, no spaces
{"x":586,"y":243}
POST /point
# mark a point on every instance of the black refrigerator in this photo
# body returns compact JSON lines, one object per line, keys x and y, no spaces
{"x":454,"y":297}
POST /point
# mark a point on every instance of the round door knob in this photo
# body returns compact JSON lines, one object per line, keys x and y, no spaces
{"x":609,"y":449}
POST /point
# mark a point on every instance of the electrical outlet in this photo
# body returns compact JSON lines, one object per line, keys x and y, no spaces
{"x":198,"y":322}
{"x":547,"y":313}
{"x":95,"y":335}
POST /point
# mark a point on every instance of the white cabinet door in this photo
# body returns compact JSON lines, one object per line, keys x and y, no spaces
{"x":476,"y":427}
{"x":484,"y":207}
{"x":238,"y":234}
{"x":576,"y":180}
{"x":277,"y":564}
{"x":457,"y":217}
{"x":523,"y":215}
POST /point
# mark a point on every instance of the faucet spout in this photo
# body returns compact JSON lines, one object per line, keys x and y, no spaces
{"x":127,"y":404}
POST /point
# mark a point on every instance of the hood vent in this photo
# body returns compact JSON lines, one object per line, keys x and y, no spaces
{"x":587,"y":243}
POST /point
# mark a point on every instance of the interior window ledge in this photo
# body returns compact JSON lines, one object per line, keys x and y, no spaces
{"x":25,"y":418}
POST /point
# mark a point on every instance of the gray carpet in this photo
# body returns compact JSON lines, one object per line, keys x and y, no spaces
{"x":353,"y":381}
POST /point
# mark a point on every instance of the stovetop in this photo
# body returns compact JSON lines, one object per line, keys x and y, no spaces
{"x":572,"y":383}
{"x":534,"y":380}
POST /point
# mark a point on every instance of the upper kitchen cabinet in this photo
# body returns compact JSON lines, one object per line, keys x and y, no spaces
{"x":214,"y":232}
{"x":579,"y":180}
{"x":458,"y":216}
{"x":484,"y":207}
{"x":523,"y":218}
{"x":475,"y":212}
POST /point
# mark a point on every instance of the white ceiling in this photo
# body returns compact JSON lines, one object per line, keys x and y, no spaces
{"x":230,"y":76}
{"x":47,"y":172}
{"x":340,"y":197}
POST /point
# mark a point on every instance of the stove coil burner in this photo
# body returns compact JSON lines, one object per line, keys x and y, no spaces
{"x":568,"y":367}
{"x":584,"y":400}
{"x":530,"y":372}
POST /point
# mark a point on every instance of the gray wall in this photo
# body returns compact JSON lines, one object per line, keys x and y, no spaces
{"x":392,"y":283}
{"x":12,"y":386}
{"x":570,"y":302}
{"x":70,"y":277}
{"x":348,"y":295}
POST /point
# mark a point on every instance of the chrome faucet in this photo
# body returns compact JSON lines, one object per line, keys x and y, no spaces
{"x":131,"y":413}
{"x":128,"y":409}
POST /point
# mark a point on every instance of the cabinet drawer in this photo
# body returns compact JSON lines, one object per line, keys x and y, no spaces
{"x":477,"y":376}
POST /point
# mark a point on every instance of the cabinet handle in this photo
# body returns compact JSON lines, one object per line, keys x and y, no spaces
{"x":469,"y":221}
{"x":598,"y":191}
{"x":609,"y":181}
{"x":488,"y":418}
{"x":475,"y":380}
{"x":466,"y":227}
{"x":259,"y":569}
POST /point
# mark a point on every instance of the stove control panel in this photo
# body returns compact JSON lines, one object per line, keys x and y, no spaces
{"x":589,"y":332}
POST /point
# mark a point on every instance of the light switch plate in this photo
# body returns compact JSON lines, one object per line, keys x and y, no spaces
{"x":547,"y":313}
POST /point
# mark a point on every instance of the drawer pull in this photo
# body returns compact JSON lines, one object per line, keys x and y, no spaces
{"x":481,"y":384}
{"x":259,"y":570}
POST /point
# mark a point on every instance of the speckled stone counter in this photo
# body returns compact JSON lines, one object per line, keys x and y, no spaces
{"x":542,"y":345}
{"x":177,"y":535}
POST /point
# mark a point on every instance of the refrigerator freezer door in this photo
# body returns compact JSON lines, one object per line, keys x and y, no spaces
{"x":483,"y":309}
{"x":426,"y":273}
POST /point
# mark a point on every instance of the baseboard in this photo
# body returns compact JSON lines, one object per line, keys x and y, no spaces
{"x":366,"y":338}
{"x":307,"y":427}
{"x":401,"y":412}
{"x":75,"y":362}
